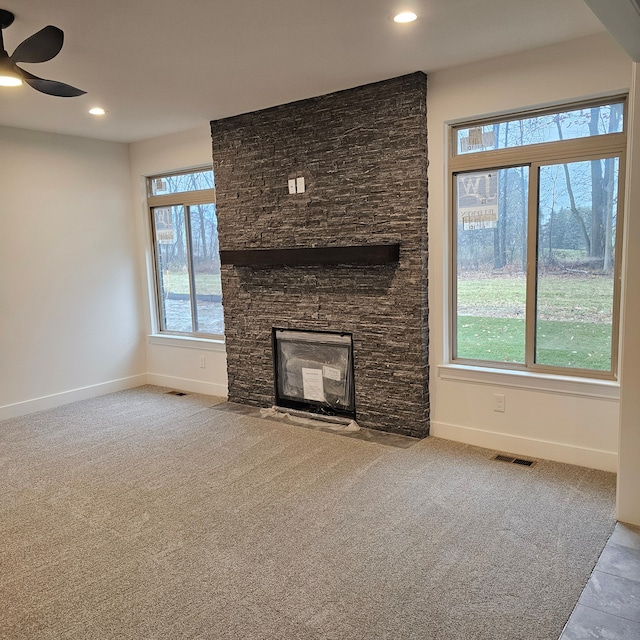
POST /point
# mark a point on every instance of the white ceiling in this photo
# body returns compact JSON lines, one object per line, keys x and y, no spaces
{"x":162,"y":66}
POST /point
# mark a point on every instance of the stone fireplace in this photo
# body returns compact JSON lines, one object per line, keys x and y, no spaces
{"x":347,"y":255}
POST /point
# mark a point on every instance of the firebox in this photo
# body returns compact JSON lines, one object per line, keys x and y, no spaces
{"x":314,"y":371}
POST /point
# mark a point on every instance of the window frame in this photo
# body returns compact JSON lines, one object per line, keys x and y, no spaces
{"x":184,"y":199}
{"x":534,"y":156}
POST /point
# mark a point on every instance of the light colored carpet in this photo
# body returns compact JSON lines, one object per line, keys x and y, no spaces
{"x":146,"y":515}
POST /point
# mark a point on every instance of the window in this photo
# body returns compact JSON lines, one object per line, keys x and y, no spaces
{"x":187,"y":261}
{"x":536,"y":201}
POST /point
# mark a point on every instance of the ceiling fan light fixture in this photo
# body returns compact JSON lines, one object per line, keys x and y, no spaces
{"x":40,"y":47}
{"x":405,"y":16}
{"x":9,"y":80}
{"x":8,"y":77}
{"x":97,"y":111}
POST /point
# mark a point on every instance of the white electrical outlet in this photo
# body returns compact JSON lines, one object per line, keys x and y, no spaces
{"x":300,"y":185}
{"x":203,"y":362}
{"x":292,"y":185}
{"x":498,"y":402}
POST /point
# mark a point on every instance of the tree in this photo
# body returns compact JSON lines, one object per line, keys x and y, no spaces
{"x":598,"y":233}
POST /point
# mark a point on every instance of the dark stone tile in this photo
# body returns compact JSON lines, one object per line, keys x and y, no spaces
{"x":613,"y":594}
{"x":234,"y":407}
{"x":620,"y":561}
{"x":363,"y":154}
{"x":382,"y":437}
{"x":589,"y":624}
{"x":626,"y":535}
{"x":368,"y":435}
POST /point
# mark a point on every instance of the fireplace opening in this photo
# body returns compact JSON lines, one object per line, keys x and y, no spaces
{"x":314,"y":371}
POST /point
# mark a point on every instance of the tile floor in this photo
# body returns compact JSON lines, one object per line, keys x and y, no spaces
{"x":609,"y":607}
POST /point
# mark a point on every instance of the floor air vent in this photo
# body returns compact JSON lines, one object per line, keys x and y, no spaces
{"x":177,"y":393}
{"x":521,"y":461}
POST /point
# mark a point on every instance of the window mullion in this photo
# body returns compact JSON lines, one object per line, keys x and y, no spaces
{"x":158,"y":286}
{"x":532,"y":262}
{"x":453,"y":266}
{"x":617,"y":269}
{"x":609,"y":144}
{"x":203,"y":196}
{"x":186,"y":212}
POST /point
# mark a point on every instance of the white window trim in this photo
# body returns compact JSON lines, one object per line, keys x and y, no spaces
{"x":492,"y":373}
{"x":183,"y":198}
{"x":532,"y":381}
{"x":188,"y":342}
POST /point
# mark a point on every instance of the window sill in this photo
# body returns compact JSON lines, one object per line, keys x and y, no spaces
{"x":548,"y":383}
{"x":187,"y":342}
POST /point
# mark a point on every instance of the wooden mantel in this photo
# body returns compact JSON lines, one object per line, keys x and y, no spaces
{"x":355,"y":254}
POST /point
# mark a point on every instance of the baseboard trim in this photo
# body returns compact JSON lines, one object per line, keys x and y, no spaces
{"x":65,"y":397}
{"x":522,"y":446}
{"x":185,"y":384}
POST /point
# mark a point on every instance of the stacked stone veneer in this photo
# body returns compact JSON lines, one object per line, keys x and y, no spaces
{"x":363,"y":154}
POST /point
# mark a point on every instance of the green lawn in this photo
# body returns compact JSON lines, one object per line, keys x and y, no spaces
{"x":574,"y":319}
{"x":495,"y":339}
{"x":571,"y":344}
{"x":560,"y":297}
{"x":206,"y":283}
{"x":582,"y":345}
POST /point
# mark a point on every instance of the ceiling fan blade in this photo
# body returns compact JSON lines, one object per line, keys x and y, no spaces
{"x":51,"y":87}
{"x":41,"y":46}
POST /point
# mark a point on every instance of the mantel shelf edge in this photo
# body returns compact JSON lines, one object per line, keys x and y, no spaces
{"x":371,"y":254}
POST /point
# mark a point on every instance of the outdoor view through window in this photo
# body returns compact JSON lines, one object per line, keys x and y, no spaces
{"x":536,"y":236}
{"x":187,"y":260}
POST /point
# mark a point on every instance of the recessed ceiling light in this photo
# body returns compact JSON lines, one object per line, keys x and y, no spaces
{"x":405,"y":16}
{"x":97,"y":111}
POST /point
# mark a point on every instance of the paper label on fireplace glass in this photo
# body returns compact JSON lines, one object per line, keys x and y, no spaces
{"x":312,"y":386}
{"x":331,"y":373}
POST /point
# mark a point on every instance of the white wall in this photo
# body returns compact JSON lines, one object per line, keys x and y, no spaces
{"x":575,"y":423}
{"x":629,"y":463}
{"x":69,"y":284}
{"x":74,"y":258}
{"x":173,"y":362}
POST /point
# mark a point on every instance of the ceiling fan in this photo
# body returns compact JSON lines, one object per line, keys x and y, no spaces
{"x":40,"y":47}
